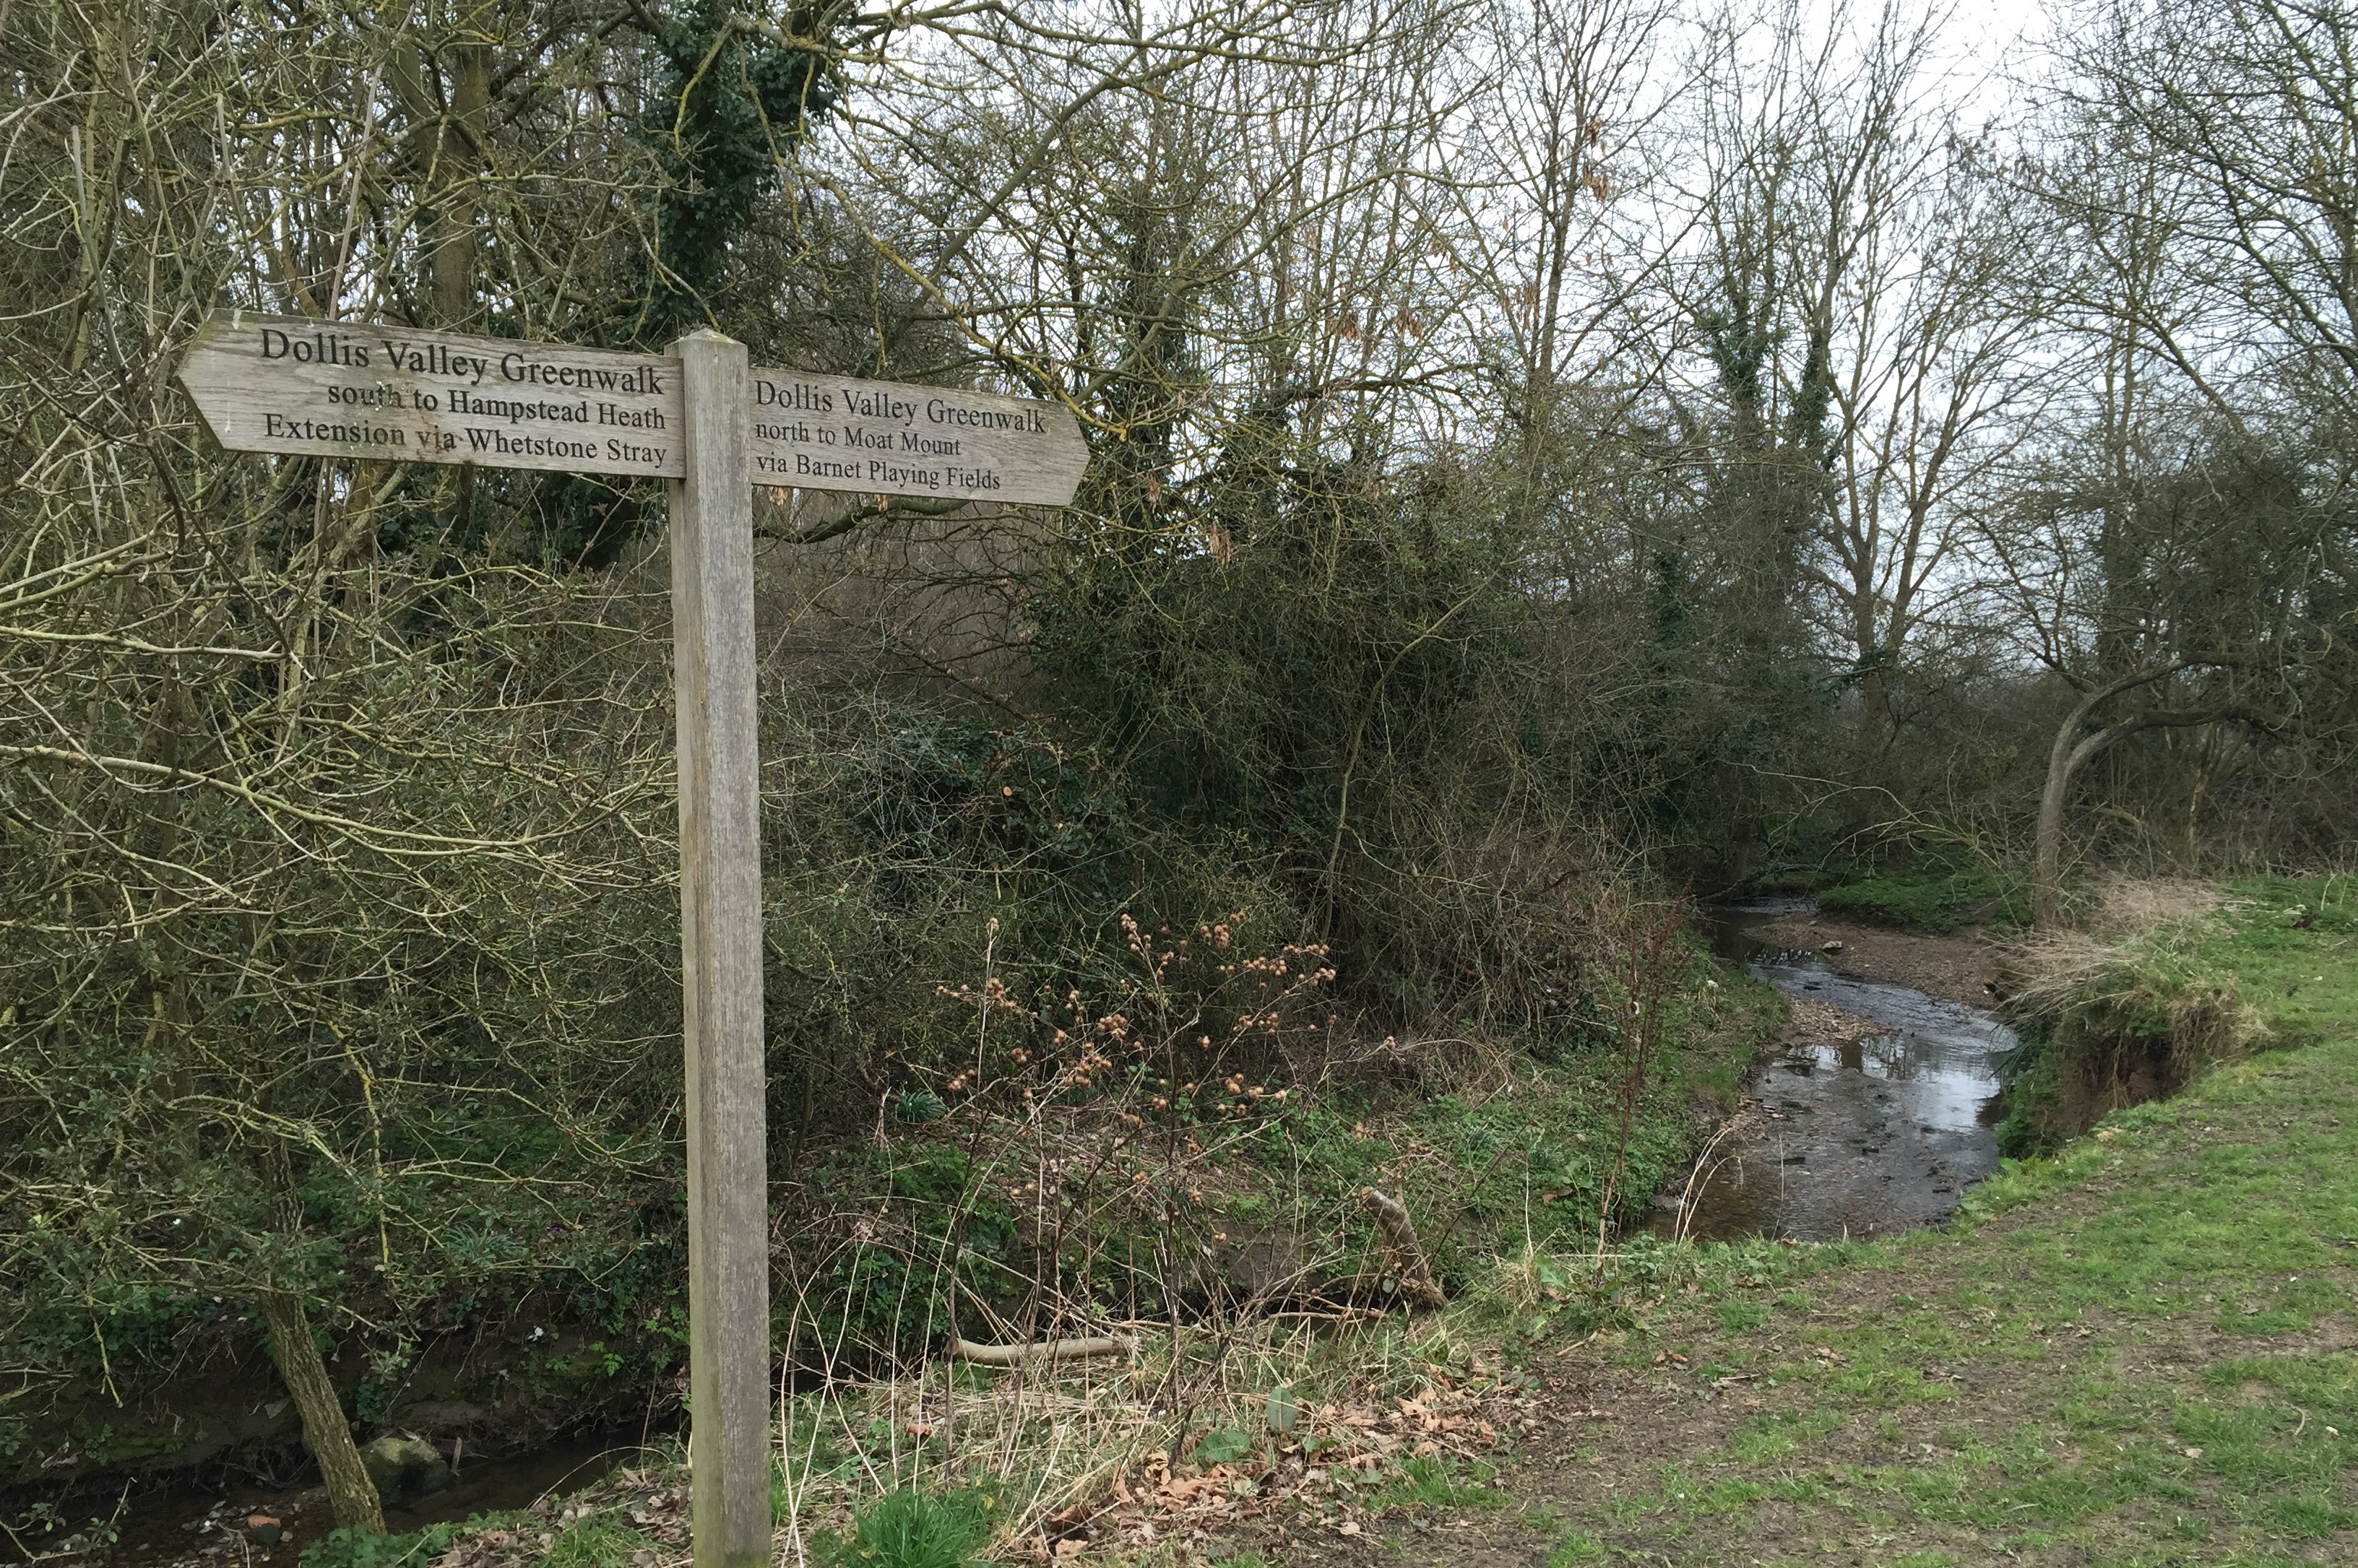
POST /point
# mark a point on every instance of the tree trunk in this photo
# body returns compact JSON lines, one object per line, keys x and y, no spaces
{"x":461,"y":155}
{"x":2046,"y":875}
{"x":325,"y":1432}
{"x":1875,"y":699}
{"x":2066,"y":759}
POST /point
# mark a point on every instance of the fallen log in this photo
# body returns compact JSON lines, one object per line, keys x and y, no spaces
{"x":1046,"y":1350}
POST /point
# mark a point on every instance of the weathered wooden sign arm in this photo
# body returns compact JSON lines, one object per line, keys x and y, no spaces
{"x":714,"y":425}
{"x":831,"y":432}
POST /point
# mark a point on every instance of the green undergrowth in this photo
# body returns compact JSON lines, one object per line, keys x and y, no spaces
{"x":346,"y":1548}
{"x":909,"y":1528}
{"x":2136,"y":1351}
{"x":1518,"y":1150}
{"x":1933,"y":894}
{"x":583,"y":1540}
{"x":1495,"y":1145}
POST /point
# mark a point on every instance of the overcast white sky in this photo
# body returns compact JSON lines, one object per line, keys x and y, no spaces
{"x":1998,"y":40}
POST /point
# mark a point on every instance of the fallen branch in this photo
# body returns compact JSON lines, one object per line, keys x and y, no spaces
{"x":1406,"y":1253}
{"x":1046,"y":1350}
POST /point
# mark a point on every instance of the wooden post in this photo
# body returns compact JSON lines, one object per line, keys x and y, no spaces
{"x":720,"y":959}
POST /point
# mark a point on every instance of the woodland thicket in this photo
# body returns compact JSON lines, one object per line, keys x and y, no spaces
{"x":1540,"y":449}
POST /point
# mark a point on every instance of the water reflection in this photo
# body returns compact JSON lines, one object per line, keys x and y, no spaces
{"x":1853,"y":1134}
{"x":1945,"y":1053}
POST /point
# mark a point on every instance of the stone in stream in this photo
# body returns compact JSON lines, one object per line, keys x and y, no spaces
{"x":404,"y":1467}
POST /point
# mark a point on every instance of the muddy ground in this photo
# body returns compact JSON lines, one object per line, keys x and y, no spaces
{"x":1963,"y":967}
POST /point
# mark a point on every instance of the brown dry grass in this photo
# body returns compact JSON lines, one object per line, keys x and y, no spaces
{"x":2124,"y":1013}
{"x":2119,"y":954}
{"x":2125,"y":904}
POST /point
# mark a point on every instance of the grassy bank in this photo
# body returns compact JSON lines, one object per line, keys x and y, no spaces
{"x":2166,"y":980}
{"x":2142,"y":1350}
{"x":1931,"y":893}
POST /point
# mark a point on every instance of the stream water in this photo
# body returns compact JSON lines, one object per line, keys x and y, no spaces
{"x":1849,"y":1137}
{"x":187,"y":1524}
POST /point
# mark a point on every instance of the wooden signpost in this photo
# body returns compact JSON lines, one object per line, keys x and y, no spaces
{"x":704,"y":419}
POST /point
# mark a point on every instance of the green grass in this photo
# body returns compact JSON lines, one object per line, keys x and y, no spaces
{"x":1437,"y":1483}
{"x":2291,"y":945}
{"x":915,"y":1530}
{"x":345,"y":1548}
{"x":1933,"y":900}
{"x":598,"y":1541}
{"x":1577,"y":1547}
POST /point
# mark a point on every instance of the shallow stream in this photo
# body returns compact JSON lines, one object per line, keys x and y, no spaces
{"x":1848,"y":1136}
{"x":189,"y":1524}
